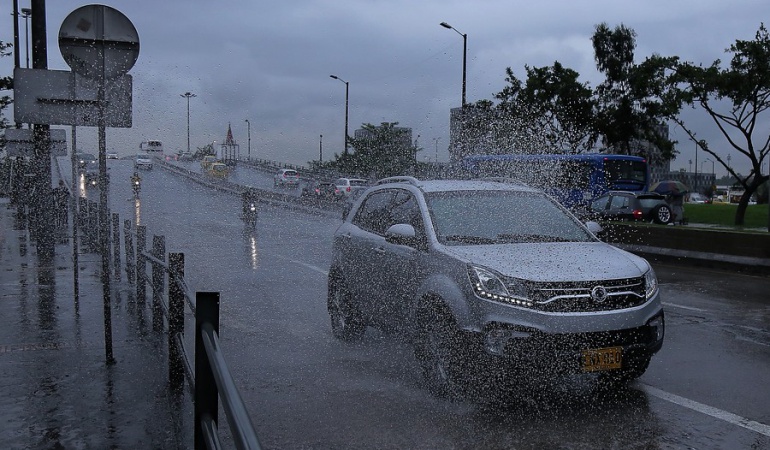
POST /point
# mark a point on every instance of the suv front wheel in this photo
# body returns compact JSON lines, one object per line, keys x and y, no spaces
{"x":439,"y":349}
{"x":346,"y":319}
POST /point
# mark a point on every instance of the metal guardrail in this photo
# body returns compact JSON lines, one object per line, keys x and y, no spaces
{"x":209,"y":367}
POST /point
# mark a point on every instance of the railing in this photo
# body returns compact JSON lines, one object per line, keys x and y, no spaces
{"x":209,"y":368}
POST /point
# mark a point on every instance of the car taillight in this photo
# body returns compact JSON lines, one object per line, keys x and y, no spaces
{"x":347,"y":188}
{"x":638,"y":214}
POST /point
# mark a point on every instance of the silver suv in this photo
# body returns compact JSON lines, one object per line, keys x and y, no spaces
{"x":493,"y":275}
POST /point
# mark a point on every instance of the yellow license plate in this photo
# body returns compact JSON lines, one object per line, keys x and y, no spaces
{"x":601,"y":359}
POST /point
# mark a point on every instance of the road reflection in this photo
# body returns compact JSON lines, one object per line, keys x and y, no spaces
{"x":250,"y":244}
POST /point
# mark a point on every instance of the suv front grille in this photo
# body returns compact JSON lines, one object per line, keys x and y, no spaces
{"x":587,"y":296}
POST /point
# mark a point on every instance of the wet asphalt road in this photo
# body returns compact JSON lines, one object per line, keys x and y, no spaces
{"x":706,"y":389}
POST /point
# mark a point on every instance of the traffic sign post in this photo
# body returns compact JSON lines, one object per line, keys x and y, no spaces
{"x":100,"y":43}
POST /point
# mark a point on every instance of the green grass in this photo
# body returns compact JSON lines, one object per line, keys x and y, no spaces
{"x":724,"y":214}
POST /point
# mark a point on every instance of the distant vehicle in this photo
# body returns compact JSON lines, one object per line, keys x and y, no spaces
{"x":184,"y":156}
{"x":574,"y":180}
{"x":323,"y":190}
{"x":112,"y":155}
{"x":286,"y":177}
{"x":143,"y":161}
{"x":218,"y":170}
{"x":491,"y":278}
{"x":639,"y":206}
{"x":207,"y":161}
{"x":345,"y":186}
{"x":694,"y":197}
{"x":88,"y":166}
{"x":151,"y":147}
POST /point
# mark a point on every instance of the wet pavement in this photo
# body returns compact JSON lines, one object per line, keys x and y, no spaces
{"x":58,"y":390}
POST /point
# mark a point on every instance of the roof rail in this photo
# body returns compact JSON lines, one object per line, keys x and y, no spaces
{"x":400,"y":179}
{"x":504,"y":180}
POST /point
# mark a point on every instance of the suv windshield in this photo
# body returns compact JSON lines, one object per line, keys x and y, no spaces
{"x":498,"y":217}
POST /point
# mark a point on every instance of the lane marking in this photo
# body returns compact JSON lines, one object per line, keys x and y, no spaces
{"x":304,"y":264}
{"x":690,"y":308}
{"x":716,"y":413}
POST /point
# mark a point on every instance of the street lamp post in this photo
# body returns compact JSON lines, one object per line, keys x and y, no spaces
{"x":321,"y":149}
{"x":248,"y":130}
{"x":26,"y":13}
{"x":188,"y":96}
{"x":347,"y":97}
{"x":465,"y":54}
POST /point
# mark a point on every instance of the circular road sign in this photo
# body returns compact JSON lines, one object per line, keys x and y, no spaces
{"x":98,"y":40}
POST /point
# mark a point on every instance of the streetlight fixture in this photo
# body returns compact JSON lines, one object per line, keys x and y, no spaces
{"x":248,"y":128}
{"x":465,"y":54}
{"x":188,"y":96}
{"x":26,"y":13}
{"x":347,"y":97}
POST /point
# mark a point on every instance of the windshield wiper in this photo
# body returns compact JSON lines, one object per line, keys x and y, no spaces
{"x":516,"y":238}
{"x":469,"y":239}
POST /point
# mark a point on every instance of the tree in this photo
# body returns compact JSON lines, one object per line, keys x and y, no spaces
{"x":557,"y":106}
{"x":734,"y":98}
{"x":382,"y":151}
{"x":6,"y":84}
{"x":630,"y":110}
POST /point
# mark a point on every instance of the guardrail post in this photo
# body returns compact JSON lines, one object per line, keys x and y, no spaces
{"x":116,"y":244}
{"x":129,"y":244}
{"x":175,"y":319}
{"x":205,"y":397}
{"x":158,"y":278}
{"x":141,"y":264}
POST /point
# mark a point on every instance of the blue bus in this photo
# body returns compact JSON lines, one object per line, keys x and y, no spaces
{"x":574,"y":180}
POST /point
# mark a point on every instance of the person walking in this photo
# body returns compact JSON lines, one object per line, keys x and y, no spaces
{"x":677,"y":208}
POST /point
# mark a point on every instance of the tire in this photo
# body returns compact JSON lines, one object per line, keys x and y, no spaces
{"x":438,"y":348}
{"x":346,"y":319}
{"x":662,"y":214}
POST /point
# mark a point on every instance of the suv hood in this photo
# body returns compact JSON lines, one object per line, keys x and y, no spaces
{"x":558,"y":261}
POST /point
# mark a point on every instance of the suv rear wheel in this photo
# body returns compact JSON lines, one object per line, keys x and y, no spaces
{"x":661,"y":214}
{"x":347,"y":321}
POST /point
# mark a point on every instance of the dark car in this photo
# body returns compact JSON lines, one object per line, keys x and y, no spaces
{"x":322,"y":190}
{"x":640,"y":206}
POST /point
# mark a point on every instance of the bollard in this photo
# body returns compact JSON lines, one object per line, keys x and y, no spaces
{"x":116,"y":244}
{"x":158,"y":278}
{"x":175,"y":319}
{"x":129,"y":244}
{"x":141,"y":264}
{"x":205,"y":397}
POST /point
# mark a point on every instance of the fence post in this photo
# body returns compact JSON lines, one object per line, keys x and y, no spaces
{"x":205,"y":397}
{"x":93,"y":226}
{"x":175,"y":319}
{"x":158,"y":278}
{"x":129,"y":244}
{"x":141,"y":264}
{"x":116,"y":244}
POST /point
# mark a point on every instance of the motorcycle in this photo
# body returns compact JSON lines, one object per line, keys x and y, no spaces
{"x":250,"y":214}
{"x":135,"y":185}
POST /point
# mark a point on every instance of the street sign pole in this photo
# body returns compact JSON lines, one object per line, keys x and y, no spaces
{"x":116,"y":42}
{"x":41,"y":201}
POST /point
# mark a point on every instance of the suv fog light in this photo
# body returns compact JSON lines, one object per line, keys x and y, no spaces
{"x":495,"y":340}
{"x":658,"y":325}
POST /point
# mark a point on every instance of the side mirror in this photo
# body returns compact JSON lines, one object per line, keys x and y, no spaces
{"x":401,"y":234}
{"x":594,"y":228}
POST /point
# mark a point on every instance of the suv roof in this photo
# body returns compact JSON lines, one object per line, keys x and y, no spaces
{"x":458,"y":185}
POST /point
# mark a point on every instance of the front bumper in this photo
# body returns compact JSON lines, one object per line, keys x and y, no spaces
{"x":536,"y":351}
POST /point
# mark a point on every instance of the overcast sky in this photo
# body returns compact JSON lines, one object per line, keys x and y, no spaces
{"x":269,"y":62}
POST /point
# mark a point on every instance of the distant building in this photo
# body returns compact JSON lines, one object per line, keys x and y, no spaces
{"x":402,"y":136}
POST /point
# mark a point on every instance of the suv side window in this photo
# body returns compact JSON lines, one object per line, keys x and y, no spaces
{"x":619,"y":202}
{"x":404,"y":209}
{"x":374,"y":213}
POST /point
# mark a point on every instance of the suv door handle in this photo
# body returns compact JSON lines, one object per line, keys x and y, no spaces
{"x":379,"y":250}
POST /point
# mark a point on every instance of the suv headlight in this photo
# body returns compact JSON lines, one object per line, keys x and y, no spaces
{"x":650,"y":284}
{"x":490,"y":286}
